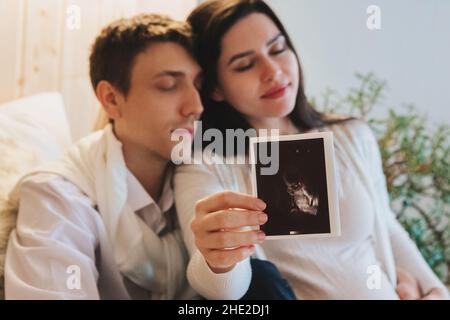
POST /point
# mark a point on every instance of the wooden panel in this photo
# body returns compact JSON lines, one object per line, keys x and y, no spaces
{"x":39,"y":52}
{"x":177,"y":9}
{"x":110,"y":10}
{"x":42,"y":46}
{"x":11,"y":28}
{"x":80,"y":102}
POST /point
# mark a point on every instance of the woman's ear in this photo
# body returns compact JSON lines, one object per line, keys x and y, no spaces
{"x":110,"y":99}
{"x":217,"y":95}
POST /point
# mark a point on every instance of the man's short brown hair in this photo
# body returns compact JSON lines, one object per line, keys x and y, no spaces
{"x":115,"y":49}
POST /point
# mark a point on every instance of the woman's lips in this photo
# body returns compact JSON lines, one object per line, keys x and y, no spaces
{"x":275,"y":93}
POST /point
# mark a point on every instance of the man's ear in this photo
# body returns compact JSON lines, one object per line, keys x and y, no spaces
{"x":217,"y":95}
{"x":110,"y":98}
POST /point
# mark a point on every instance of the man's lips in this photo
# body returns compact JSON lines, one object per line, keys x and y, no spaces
{"x":275,"y":92}
{"x":185,"y":130}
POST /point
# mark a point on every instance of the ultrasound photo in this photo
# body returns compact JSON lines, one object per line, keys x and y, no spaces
{"x":301,"y":196}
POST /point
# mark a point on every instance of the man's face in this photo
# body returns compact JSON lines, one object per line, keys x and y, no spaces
{"x":163,"y":97}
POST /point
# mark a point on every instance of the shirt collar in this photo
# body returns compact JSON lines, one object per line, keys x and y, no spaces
{"x":167,"y":198}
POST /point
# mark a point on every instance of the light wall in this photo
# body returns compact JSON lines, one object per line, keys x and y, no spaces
{"x":411,"y":51}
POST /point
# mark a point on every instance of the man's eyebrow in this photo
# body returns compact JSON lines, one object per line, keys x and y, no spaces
{"x":250,"y":52}
{"x":171,"y":73}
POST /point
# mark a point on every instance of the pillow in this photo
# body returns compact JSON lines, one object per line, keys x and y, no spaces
{"x":33,"y":130}
{"x":25,"y":119}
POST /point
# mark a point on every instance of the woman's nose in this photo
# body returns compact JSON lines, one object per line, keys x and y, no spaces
{"x":271,"y":70}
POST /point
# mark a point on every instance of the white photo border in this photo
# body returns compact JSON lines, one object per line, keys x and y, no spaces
{"x":332,"y":189}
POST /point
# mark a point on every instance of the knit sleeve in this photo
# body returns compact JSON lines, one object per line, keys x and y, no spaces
{"x":192,"y":183}
{"x":406,"y":254}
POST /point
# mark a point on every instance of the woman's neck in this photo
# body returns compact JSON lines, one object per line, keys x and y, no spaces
{"x":284,"y":125}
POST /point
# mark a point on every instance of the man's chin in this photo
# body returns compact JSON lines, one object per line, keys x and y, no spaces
{"x":180,"y":152}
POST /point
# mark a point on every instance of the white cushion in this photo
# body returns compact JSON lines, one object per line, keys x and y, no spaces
{"x":38,"y":122}
{"x":33,"y":130}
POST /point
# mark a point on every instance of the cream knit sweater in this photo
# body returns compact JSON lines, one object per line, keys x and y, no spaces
{"x":391,"y":245}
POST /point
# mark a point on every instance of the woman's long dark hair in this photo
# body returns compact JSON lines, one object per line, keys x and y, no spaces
{"x":210,"y":21}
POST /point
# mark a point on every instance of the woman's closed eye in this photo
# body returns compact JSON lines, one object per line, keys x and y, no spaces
{"x":278,"y":50}
{"x":279,"y":47}
{"x":244,"y":65}
{"x":247,"y":63}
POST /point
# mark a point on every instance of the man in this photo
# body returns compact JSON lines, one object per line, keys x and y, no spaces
{"x":101,"y":222}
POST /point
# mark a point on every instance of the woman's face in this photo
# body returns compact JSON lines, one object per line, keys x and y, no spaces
{"x":258,"y":73}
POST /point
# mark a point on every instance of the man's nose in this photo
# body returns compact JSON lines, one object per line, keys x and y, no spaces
{"x":193,"y":104}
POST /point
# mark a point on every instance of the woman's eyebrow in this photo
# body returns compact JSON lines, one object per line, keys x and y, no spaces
{"x":250,"y":52}
{"x":274,"y":39}
{"x":240,"y":55}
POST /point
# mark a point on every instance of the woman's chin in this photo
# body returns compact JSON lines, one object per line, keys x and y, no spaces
{"x":278,"y":110}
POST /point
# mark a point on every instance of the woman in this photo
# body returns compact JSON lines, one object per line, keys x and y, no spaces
{"x":253,"y":79}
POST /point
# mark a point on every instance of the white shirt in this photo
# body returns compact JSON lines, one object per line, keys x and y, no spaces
{"x":60,"y":235}
{"x":145,"y":207}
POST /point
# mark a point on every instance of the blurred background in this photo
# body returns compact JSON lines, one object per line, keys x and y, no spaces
{"x":45,"y":45}
{"x":411,"y":51}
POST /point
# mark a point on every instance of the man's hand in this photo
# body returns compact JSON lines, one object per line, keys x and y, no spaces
{"x":436,"y":294}
{"x":409,"y":289}
{"x":218,"y":224}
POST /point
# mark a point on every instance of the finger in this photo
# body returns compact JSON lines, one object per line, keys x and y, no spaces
{"x":430,"y":296}
{"x":227,"y":239}
{"x":406,"y":293}
{"x":227,"y":200}
{"x":408,"y":289}
{"x":228,"y":257}
{"x":232,"y":219}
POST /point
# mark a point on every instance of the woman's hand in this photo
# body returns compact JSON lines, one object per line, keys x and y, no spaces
{"x":218,"y":224}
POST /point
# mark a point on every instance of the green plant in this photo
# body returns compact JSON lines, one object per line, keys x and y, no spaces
{"x":416,"y":162}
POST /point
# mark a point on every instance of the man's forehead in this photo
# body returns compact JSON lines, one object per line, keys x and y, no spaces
{"x":162,"y":56}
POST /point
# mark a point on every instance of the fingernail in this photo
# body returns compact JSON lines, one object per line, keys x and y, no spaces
{"x":262,"y":217}
{"x":260,"y":204}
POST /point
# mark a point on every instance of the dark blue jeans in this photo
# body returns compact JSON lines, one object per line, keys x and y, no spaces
{"x":267,"y":283}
